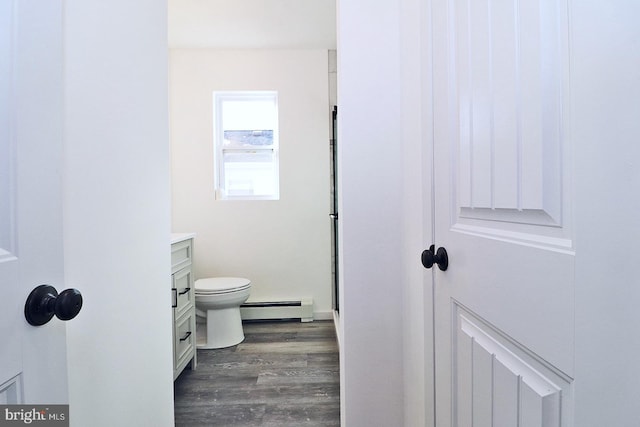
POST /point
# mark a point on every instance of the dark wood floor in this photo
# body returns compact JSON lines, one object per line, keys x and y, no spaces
{"x":283,"y":374}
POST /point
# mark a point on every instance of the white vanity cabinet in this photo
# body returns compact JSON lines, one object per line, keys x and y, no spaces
{"x":183,"y":303}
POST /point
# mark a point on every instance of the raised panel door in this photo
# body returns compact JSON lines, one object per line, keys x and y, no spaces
{"x":504,"y":309}
{"x":33,"y":365}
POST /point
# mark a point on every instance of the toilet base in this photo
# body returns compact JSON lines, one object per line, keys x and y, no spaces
{"x":224,"y":328}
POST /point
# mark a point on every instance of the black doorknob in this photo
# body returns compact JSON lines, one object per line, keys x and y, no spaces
{"x":431,"y":256}
{"x":44,"y":302}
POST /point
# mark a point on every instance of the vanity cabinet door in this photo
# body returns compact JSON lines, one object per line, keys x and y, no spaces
{"x":183,"y":302}
{"x":183,"y":294}
{"x":184,"y":341}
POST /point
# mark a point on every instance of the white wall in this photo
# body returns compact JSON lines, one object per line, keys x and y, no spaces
{"x":253,"y":24}
{"x":117,"y":212}
{"x":371,"y":221}
{"x":283,"y":246}
{"x":604,"y":111}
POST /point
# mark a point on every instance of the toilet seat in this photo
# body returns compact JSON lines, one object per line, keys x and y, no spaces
{"x":221,"y":285}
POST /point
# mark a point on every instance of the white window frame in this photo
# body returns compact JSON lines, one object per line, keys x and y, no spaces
{"x":219,"y":150}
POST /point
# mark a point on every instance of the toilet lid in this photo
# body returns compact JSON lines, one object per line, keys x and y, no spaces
{"x":214,"y":285}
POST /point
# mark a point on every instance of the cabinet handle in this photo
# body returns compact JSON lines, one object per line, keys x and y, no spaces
{"x":187,"y":335}
{"x":174,"y":297}
{"x":186,"y":290}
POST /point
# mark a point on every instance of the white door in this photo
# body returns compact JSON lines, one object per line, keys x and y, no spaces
{"x":33,"y":366}
{"x":504,"y":308}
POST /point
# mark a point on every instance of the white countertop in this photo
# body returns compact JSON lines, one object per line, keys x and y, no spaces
{"x":179,"y":237}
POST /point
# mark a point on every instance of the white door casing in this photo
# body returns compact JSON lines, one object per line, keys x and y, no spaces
{"x":504,"y":309}
{"x":33,"y":365}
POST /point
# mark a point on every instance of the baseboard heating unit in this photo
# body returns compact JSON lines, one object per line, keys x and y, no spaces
{"x":278,"y":310}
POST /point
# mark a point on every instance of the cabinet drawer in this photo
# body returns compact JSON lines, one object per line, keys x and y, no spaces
{"x":183,"y":292}
{"x":181,"y":255}
{"x":185,"y":336}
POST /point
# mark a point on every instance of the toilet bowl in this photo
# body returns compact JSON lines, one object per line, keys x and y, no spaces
{"x":218,"y":300}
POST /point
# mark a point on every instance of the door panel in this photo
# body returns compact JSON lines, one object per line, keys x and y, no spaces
{"x":10,"y":355}
{"x":497,"y":382}
{"x":6,"y":176}
{"x":503,"y":212}
{"x":508,"y":60}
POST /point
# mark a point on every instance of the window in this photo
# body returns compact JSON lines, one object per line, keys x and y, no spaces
{"x":246,"y":145}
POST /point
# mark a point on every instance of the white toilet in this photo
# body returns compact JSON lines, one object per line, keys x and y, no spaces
{"x":218,"y":299}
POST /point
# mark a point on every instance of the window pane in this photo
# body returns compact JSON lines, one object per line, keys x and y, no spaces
{"x":248,"y":138}
{"x":249,"y":114}
{"x":250,"y":173}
